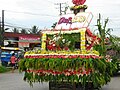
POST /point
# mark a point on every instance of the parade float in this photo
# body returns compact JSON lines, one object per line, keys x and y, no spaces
{"x":68,"y":59}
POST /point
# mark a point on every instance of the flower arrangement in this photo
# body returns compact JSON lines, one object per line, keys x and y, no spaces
{"x":68,"y":56}
{"x":82,"y":69}
{"x":79,"y":7}
{"x":62,"y":42}
{"x":78,"y":2}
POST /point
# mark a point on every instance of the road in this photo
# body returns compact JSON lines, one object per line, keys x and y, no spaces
{"x":13,"y":81}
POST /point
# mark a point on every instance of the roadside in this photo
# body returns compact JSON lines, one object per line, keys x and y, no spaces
{"x":14,"y":81}
{"x":4,"y":69}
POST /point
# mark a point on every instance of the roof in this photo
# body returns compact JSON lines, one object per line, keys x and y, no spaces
{"x":14,"y":35}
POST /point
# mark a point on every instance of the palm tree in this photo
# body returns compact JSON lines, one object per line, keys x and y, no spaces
{"x":15,"y":30}
{"x":24,"y":31}
{"x":34,"y":30}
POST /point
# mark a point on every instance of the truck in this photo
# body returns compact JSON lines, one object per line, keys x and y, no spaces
{"x":68,"y":59}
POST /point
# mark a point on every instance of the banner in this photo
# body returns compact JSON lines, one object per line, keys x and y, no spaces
{"x":71,"y":21}
{"x":29,"y":38}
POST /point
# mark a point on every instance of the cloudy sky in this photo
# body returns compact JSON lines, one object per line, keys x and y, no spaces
{"x":43,"y":13}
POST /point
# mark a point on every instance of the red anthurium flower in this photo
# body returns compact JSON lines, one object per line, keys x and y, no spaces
{"x":40,"y":71}
{"x":87,"y":56}
{"x":28,"y":71}
{"x":30,"y":56}
{"x":74,"y":56}
{"x":78,"y":2}
{"x":54,"y":56}
{"x":87,"y":72}
{"x":66,"y":48}
{"x":94,"y":57}
{"x":33,"y":56}
{"x":59,"y":56}
{"x":69,"y":56}
{"x":40,"y":56}
{"x":84,"y":72}
{"x":27,"y":56}
{"x":74,"y":72}
{"x":82,"y":56}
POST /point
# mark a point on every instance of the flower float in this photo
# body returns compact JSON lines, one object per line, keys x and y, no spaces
{"x":55,"y":63}
{"x":67,"y":55}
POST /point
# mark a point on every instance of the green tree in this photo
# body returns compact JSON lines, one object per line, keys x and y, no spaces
{"x":34,"y":30}
{"x":15,"y":30}
{"x":103,"y":33}
{"x":24,"y":31}
{"x":115,"y":44}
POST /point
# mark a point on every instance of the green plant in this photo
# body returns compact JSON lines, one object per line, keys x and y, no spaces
{"x":103,"y":32}
{"x":97,"y":70}
{"x":3,"y":69}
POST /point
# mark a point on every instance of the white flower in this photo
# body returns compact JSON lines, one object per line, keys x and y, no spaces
{"x":53,"y":45}
{"x":63,"y":40}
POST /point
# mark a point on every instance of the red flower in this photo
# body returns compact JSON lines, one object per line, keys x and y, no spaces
{"x":66,"y":48}
{"x":78,"y":2}
{"x":82,"y":56}
{"x":93,"y":56}
{"x":87,"y":56}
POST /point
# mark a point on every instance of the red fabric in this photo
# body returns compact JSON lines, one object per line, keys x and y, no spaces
{"x":78,"y":2}
{"x":89,"y":33}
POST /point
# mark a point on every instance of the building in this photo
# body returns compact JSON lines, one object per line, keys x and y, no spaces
{"x":24,"y":41}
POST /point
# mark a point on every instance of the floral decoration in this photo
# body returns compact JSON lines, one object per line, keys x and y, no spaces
{"x":95,"y":70}
{"x":78,"y":2}
{"x":79,"y":7}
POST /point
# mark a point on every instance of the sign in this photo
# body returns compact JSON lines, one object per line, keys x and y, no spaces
{"x":23,"y":44}
{"x":24,"y":41}
{"x":71,"y":21}
{"x":28,"y":38}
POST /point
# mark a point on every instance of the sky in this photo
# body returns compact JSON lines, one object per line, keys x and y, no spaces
{"x":43,"y":13}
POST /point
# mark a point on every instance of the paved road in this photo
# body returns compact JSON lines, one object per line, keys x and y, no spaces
{"x":13,"y":81}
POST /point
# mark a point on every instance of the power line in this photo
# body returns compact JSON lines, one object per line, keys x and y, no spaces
{"x":16,"y":26}
{"x":10,"y":23}
{"x":49,"y":1}
{"x":30,"y":13}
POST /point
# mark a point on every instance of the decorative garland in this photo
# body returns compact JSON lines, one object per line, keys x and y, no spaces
{"x":79,"y":7}
{"x":63,"y":56}
{"x":94,"y":39}
{"x":67,"y":53}
{"x":95,"y":70}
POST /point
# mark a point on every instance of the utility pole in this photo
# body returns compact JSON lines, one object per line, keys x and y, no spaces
{"x":2,"y":29}
{"x":0,"y":24}
{"x":0,"y":40}
{"x":60,"y":8}
{"x":1,"y":34}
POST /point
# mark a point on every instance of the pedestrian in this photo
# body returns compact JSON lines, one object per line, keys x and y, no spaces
{"x":13,"y":62}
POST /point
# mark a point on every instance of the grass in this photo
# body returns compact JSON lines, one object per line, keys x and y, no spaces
{"x":3,"y":69}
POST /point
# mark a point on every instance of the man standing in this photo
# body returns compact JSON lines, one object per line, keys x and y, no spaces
{"x":13,"y":61}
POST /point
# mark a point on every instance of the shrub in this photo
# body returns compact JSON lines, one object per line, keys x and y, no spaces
{"x":3,"y":69}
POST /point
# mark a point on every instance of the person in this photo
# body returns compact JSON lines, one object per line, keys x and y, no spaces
{"x":13,"y":61}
